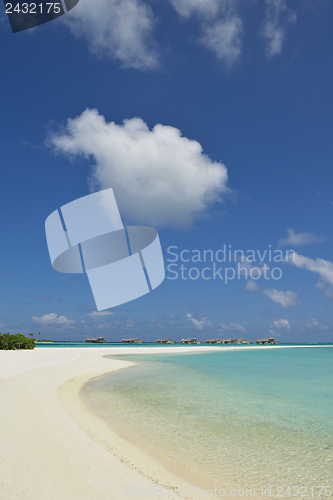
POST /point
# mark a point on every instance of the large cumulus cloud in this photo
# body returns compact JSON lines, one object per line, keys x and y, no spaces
{"x":158,"y":176}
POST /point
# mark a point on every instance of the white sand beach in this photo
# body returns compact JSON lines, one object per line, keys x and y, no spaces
{"x":52,"y":447}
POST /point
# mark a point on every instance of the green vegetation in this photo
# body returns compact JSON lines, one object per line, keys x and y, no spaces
{"x":39,"y":339}
{"x":17,"y":341}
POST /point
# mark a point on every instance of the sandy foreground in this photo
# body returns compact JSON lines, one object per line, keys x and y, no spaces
{"x":53,"y":447}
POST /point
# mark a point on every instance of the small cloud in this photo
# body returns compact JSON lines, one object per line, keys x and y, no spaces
{"x":221,"y":26}
{"x":42,"y":297}
{"x":286,"y":299}
{"x":320,"y":266}
{"x":303,"y":238}
{"x":198,"y":324}
{"x":281,"y":324}
{"x":120,"y":30}
{"x":233,"y":327}
{"x":251,"y":286}
{"x":278,"y":18}
{"x":313,"y":323}
{"x":52,"y":319}
{"x":185,"y":8}
{"x":98,"y":314}
{"x":224,"y":39}
{"x":153,"y":320}
{"x":325,"y":289}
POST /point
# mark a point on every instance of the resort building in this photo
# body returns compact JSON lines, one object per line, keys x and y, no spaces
{"x":190,"y":341}
{"x":165,"y":341}
{"x":270,"y":341}
{"x":228,"y":341}
{"x":95,"y":340}
{"x":132,"y":341}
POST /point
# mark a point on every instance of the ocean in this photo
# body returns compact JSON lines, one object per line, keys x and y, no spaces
{"x":244,"y":418}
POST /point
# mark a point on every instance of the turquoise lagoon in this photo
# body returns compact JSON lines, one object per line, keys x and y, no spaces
{"x":250,"y":418}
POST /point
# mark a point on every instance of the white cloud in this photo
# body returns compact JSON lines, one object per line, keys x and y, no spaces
{"x":186,"y":8}
{"x":52,"y":319}
{"x":281,"y":324}
{"x":198,"y":324}
{"x":98,"y":314}
{"x":221,"y":26}
{"x":224,"y":39}
{"x":320,"y":266}
{"x":286,"y":299}
{"x":120,"y":29}
{"x":325,"y":289}
{"x":251,"y":286}
{"x":124,"y":29}
{"x":158,"y":177}
{"x":313,"y":323}
{"x":233,"y":327}
{"x":303,"y":238}
{"x":278,"y":17}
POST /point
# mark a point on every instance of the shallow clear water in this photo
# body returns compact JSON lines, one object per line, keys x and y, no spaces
{"x":255,"y":417}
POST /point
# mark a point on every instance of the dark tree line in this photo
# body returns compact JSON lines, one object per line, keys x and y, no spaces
{"x":17,"y":341}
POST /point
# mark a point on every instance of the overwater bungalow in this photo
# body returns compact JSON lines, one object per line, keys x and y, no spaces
{"x":132,"y":341}
{"x":165,"y":341}
{"x":270,"y":341}
{"x":190,"y":341}
{"x":95,"y":340}
{"x":228,"y":341}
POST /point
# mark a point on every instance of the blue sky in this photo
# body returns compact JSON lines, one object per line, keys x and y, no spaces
{"x":228,"y":141}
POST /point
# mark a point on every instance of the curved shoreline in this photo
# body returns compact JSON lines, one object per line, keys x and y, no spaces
{"x":126,"y":449}
{"x":52,"y":446}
